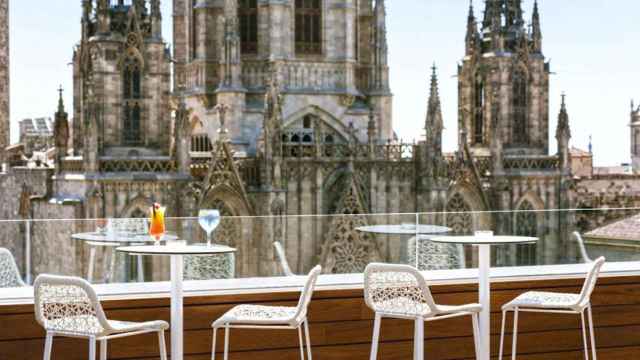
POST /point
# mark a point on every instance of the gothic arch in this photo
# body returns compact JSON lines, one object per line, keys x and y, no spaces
{"x":334,"y":185}
{"x":532,"y":205}
{"x":520,"y":81}
{"x":466,"y":211}
{"x":195,"y":124}
{"x":139,"y":204}
{"x":327,"y":119}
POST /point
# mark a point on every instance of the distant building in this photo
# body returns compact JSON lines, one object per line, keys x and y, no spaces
{"x":36,"y":134}
{"x":581,"y":163}
{"x":635,"y":137}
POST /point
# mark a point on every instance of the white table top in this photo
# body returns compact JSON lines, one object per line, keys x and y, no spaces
{"x":484,"y":240}
{"x":165,"y":250}
{"x":404,"y":229}
{"x":124,"y":239}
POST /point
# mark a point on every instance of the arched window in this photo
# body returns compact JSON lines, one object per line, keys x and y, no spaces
{"x":131,"y":93}
{"x":459,"y":217}
{"x":308,"y":26}
{"x":526,"y":225}
{"x":248,"y":15}
{"x":131,"y":123}
{"x":520,"y":107}
{"x":478,"y":114}
{"x":131,"y":79}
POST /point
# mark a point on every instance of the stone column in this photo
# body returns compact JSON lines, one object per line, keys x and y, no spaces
{"x":5,"y":124}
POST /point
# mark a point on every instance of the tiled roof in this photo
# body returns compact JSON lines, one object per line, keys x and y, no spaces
{"x":626,"y":229}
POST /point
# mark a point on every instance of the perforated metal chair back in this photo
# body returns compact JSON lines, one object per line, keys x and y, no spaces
{"x":307,"y":292}
{"x":9,"y":273}
{"x":591,"y":280}
{"x":397,"y":290}
{"x":68,"y":305}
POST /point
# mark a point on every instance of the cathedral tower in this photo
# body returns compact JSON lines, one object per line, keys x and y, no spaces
{"x":5,"y":123}
{"x":121,"y":82}
{"x":329,"y":57}
{"x":504,"y":82}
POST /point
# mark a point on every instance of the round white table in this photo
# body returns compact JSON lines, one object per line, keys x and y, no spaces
{"x":94,"y":239}
{"x":177,"y":253}
{"x":406,"y":229}
{"x":484,"y":243}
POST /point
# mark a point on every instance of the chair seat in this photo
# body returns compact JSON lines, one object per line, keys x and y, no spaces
{"x":129,"y":326}
{"x":544,"y":300}
{"x":404,"y":307}
{"x":259,"y":315}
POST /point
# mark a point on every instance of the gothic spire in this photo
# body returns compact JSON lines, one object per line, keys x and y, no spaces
{"x":536,"y":31}
{"x":156,"y":18}
{"x":433,"y":122}
{"x":513,"y":13}
{"x":60,"y":101}
{"x":492,"y":14}
{"x":563,"y":129}
{"x":380,"y":46}
{"x":87,"y":8}
{"x":472,"y":37}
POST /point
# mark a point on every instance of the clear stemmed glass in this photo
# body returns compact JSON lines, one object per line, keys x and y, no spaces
{"x":209,"y":220}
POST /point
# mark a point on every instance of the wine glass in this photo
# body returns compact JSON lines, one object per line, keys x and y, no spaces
{"x":209,"y":220}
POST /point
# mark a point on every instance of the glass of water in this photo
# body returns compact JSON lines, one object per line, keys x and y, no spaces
{"x":209,"y":220}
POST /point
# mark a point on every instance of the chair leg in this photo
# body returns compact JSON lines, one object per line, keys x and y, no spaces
{"x":213,"y":344}
{"x":226,"y":343}
{"x":584,"y":336}
{"x":306,"y":331}
{"x":502,"y":329}
{"x":514,"y":346}
{"x":301,"y":342}
{"x":48,"y":343}
{"x":92,"y":262}
{"x":92,"y":348}
{"x":476,"y":334}
{"x":162,"y":345}
{"x":419,"y":339}
{"x":103,"y":349}
{"x":593,"y":336}
{"x":375,"y":339}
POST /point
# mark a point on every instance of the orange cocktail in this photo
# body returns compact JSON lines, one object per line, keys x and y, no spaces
{"x":157,"y":229}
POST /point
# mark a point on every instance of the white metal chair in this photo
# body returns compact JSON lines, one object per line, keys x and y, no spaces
{"x":556,"y":303}
{"x":270,"y":317}
{"x":68,"y":306}
{"x":9,"y":273}
{"x":282,"y":259}
{"x":582,"y":247}
{"x":401,"y":292}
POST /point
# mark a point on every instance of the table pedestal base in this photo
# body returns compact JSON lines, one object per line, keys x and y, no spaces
{"x":177,"y":343}
{"x":484,"y":290}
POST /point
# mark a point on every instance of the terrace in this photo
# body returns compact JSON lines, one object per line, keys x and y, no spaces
{"x":340,"y":322}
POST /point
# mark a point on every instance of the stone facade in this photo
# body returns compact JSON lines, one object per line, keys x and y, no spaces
{"x":4,"y":78}
{"x":283,"y":109}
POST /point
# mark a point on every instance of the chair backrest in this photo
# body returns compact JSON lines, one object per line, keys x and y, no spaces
{"x":590,"y":281}
{"x":68,"y":305}
{"x":282,"y":259}
{"x":9,"y":273}
{"x":396,"y":289}
{"x":307,"y":292}
{"x":582,"y":248}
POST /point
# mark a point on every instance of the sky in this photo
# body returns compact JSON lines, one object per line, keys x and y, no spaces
{"x":593,"y":48}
